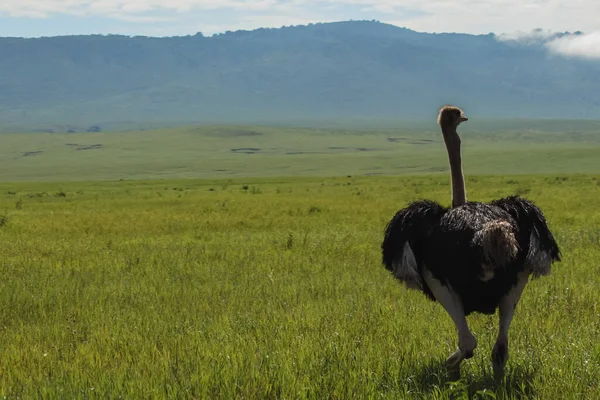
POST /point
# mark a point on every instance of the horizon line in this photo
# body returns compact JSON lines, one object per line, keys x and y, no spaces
{"x":227,"y":32}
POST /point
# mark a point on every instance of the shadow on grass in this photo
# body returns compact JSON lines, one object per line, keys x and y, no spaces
{"x":433,"y":381}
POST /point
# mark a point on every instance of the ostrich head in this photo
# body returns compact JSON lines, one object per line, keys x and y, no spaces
{"x":451,"y":117}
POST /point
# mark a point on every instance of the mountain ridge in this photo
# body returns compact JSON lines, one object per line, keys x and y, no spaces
{"x":317,"y":72}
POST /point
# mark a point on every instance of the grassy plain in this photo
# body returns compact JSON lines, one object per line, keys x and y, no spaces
{"x":502,"y":147}
{"x":124,"y":280}
{"x":271,"y":288}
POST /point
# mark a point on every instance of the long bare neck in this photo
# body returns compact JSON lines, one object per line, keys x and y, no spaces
{"x":452,"y":140}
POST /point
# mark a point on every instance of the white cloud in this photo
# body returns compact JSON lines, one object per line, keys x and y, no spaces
{"x":143,"y":18}
{"x":533,"y":37}
{"x":585,"y":45}
{"x":46,"y":8}
{"x":499,"y":16}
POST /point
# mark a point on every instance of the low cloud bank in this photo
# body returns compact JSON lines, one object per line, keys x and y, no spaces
{"x":578,"y":44}
{"x":583,"y":45}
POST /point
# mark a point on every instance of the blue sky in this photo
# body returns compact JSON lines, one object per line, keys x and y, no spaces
{"x":34,"y":18}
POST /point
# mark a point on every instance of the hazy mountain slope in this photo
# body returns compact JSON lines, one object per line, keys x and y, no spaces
{"x":323,"y":71}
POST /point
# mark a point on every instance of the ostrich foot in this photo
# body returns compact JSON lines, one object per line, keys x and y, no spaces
{"x":453,"y":365}
{"x":499,"y":358}
{"x":466,"y":347}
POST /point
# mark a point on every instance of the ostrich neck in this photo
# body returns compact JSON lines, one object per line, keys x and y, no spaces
{"x":452,"y":140}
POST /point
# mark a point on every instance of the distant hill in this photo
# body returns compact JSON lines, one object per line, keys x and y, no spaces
{"x":321,"y":72}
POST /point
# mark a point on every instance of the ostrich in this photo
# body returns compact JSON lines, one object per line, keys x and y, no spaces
{"x":472,"y":256}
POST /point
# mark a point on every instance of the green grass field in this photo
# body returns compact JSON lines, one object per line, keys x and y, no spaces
{"x":271,"y":288}
{"x":259,"y":274}
{"x":531,"y":147}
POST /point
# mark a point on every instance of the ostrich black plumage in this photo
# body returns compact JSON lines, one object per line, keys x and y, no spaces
{"x":471,"y":257}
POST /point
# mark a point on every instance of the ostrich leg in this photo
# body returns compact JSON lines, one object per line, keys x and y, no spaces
{"x":453,"y":306}
{"x":506,"y":310}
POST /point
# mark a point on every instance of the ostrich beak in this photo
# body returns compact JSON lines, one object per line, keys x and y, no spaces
{"x":463,"y":119}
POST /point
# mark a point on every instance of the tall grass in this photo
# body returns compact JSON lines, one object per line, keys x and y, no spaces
{"x":271,"y":289}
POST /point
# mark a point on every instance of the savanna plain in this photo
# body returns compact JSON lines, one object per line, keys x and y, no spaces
{"x":244,"y":262}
